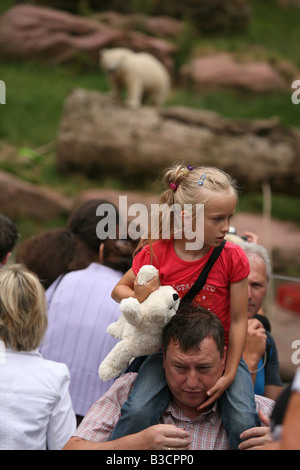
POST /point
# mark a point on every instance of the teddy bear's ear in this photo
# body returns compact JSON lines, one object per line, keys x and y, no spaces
{"x":146,"y":273}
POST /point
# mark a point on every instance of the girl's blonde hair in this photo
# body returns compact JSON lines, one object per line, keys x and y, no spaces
{"x":186,"y":185}
{"x":23,"y":310}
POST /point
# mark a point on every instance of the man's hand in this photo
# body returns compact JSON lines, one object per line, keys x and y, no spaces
{"x":157,"y":437}
{"x":163,"y":437}
{"x":256,"y":438}
{"x":251,"y":237}
{"x":256,"y":341}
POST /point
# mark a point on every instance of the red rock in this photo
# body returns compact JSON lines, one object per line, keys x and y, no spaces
{"x":221,"y":70}
{"x":45,"y":34}
{"x":19,"y":198}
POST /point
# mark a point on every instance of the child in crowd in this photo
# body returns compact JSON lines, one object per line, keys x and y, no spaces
{"x":224,"y":293}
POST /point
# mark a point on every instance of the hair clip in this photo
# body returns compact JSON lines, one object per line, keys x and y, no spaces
{"x":201,"y":180}
{"x":186,"y":170}
{"x":173,"y":186}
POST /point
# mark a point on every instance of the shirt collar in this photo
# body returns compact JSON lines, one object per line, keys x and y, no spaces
{"x":33,"y":352}
{"x":210,"y":415}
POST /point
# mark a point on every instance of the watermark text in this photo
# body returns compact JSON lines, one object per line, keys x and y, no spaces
{"x":2,"y":92}
{"x":160,"y":222}
{"x":296,"y":94}
{"x":296,"y":354}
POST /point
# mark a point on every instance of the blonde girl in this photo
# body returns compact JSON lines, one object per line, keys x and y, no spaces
{"x":224,"y":293}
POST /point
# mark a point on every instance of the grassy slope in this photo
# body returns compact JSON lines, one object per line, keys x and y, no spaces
{"x":36,"y":92}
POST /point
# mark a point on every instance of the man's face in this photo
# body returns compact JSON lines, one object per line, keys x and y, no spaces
{"x":257,"y":285}
{"x":189,"y":375}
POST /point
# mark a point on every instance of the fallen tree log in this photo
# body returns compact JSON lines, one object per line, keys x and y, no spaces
{"x":101,"y":137}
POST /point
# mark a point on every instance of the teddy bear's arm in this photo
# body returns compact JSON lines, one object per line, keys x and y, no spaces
{"x":131,"y":310}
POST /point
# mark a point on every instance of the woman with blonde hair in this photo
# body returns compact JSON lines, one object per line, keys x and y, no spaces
{"x":35,"y":406}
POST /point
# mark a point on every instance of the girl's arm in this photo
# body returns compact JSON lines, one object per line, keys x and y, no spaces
{"x":237,"y":338}
{"x":125,"y":287}
{"x":128,"y":287}
{"x":238,"y":326}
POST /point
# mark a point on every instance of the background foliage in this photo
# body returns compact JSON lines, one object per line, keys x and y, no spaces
{"x":36,"y":93}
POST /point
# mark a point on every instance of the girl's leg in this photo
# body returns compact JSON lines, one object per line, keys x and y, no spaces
{"x":149,"y":398}
{"x":238,"y":406}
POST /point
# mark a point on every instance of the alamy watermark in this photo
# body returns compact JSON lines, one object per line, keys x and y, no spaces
{"x":2,"y":92}
{"x":296,"y":354}
{"x":161,"y":222}
{"x":296,"y":94}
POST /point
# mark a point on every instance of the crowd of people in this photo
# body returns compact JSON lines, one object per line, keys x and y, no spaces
{"x":215,"y":383}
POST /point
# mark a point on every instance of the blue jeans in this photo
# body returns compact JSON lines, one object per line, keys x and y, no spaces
{"x":150,"y":396}
{"x":238,"y":406}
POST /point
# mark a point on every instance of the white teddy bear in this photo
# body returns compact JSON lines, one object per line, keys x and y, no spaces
{"x":140,"y":325}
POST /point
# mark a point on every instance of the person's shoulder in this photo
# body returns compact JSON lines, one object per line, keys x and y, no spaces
{"x":155,"y":245}
{"x":152,"y":253}
{"x":231,"y":247}
{"x":120,"y":389}
{"x":90,"y":272}
{"x":102,"y":270}
{"x":264,"y":404}
{"x":125,"y":380}
{"x":55,"y":368}
{"x":271,"y":339}
{"x":50,"y":375}
{"x":234,"y":255}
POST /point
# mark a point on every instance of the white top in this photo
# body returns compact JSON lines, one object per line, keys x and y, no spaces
{"x":80,"y":308}
{"x":35,"y":406}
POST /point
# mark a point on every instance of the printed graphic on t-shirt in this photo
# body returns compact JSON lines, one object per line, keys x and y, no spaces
{"x":203,"y":298}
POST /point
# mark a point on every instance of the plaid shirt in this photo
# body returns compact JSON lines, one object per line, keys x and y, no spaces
{"x":206,"y":431}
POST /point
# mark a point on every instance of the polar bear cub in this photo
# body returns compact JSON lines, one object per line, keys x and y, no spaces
{"x":140,"y":74}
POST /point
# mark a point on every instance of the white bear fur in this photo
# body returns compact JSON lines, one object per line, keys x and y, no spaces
{"x":139,"y":73}
{"x":139,"y":328}
{"x":146,"y":273}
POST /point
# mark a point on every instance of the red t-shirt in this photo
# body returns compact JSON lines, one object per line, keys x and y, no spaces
{"x":231,"y":266}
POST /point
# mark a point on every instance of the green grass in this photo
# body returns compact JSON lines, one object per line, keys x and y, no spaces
{"x":273,"y":33}
{"x":242,"y":105}
{"x":35,"y":94}
{"x":5,"y":5}
{"x":276,"y":29}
